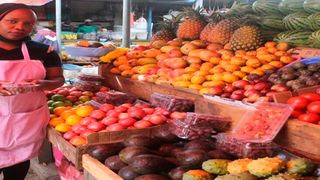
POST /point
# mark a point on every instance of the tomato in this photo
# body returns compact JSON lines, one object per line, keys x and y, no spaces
{"x":86,"y":133}
{"x":136,"y":112}
{"x":96,"y":126}
{"x":78,"y":140}
{"x":126,"y":122}
{"x":106,"y":107}
{"x":69,"y":135}
{"x":97,"y":114}
{"x":115,"y":127}
{"x":148,"y":110}
{"x":311,"y":96}
{"x":296,"y":113}
{"x":157,"y":119}
{"x":314,"y":107}
{"x":142,"y":124}
{"x":110,"y":120}
{"x":298,"y":102}
{"x":309,"y":117}
{"x":87,"y":120}
{"x":113,"y":113}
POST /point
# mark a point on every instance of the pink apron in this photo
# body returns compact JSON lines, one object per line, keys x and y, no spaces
{"x":23,"y":117}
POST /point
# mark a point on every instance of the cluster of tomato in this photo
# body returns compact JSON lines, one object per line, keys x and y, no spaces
{"x":306,"y":107}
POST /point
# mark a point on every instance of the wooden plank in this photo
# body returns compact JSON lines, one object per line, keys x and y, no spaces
{"x":301,"y":138}
{"x":98,"y":170}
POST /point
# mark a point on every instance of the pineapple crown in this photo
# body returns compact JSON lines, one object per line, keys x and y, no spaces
{"x":168,"y":23}
{"x":190,"y":13}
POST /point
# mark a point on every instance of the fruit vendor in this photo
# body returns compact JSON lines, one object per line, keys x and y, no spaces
{"x":23,"y":117}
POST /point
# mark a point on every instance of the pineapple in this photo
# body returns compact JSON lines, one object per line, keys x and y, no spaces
{"x":167,"y":30}
{"x":246,"y":38}
{"x":214,"y":18}
{"x":222,"y":32}
{"x":192,"y":25}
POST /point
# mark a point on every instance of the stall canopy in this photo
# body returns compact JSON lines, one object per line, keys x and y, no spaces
{"x":27,"y":2}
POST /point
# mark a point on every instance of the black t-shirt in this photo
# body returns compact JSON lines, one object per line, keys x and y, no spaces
{"x":37,"y":51}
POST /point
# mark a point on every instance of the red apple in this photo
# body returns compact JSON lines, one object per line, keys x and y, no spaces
{"x":157,"y":119}
{"x":148,"y":110}
{"x":136,"y":113}
{"x":240,"y":84}
{"x":253,"y":97}
{"x":76,"y":93}
{"x":127,"y":122}
{"x":238,"y":92}
{"x":106,"y":107}
{"x":161,"y":111}
{"x":229,"y":88}
{"x":49,"y":94}
{"x":127,"y":105}
{"x":78,"y":128}
{"x":115,"y":127}
{"x":262,"y":85}
{"x":86,"y":133}
{"x":63,"y":92}
{"x":225,"y":95}
{"x":248,"y":87}
{"x":69,"y":135}
{"x":87,"y":93}
{"x":146,"y":118}
{"x":98,"y":114}
{"x":123,"y":115}
{"x":296,"y":113}
{"x":109,"y":120}
{"x":216,"y":90}
{"x":87,"y":120}
{"x":142,"y":124}
{"x":247,"y":93}
{"x":121,"y":109}
{"x":73,"y":89}
{"x":113,"y":113}
{"x":96,"y":126}
{"x":279,"y":88}
{"x":72,"y":98}
{"x":236,"y":96}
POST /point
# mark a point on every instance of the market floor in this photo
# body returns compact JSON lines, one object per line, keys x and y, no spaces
{"x":30,"y":176}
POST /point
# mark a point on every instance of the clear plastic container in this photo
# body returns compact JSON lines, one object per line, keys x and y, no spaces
{"x":199,"y":125}
{"x":172,"y":103}
{"x":263,"y":122}
{"x":87,"y":77}
{"x":92,"y":86}
{"x":19,"y":88}
{"x":244,"y":149}
{"x":114,"y":97}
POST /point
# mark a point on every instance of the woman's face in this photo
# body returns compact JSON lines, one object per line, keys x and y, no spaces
{"x":17,"y":24}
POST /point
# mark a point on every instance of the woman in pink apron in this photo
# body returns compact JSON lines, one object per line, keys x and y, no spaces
{"x":23,"y":117}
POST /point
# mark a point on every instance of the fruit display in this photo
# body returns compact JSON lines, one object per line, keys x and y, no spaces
{"x":306,"y":107}
{"x":297,"y":76}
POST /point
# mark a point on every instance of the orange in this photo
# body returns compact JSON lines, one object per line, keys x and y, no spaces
{"x":198,"y":79}
{"x":247,"y":69}
{"x":56,"y":121}
{"x":78,"y":140}
{"x":267,"y":57}
{"x":283,"y":46}
{"x":239,"y":61}
{"x":286,"y":59}
{"x":195,"y":86}
{"x":73,"y":119}
{"x":186,"y":77}
{"x":253,"y":63}
{"x":240,"y":74}
{"x":276,"y":64}
{"x":261,"y":49}
{"x":58,"y":110}
{"x":258,"y":72}
{"x":63,"y":127}
{"x":215,"y":60}
{"x":230,"y":78}
{"x":67,"y":113}
{"x":270,"y":44}
{"x":208,"y":84}
{"x":84,"y":111}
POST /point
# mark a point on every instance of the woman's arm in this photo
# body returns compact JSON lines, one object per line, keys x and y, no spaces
{"x":54,"y":79}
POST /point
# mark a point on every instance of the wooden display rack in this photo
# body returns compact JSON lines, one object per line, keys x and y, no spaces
{"x":74,"y":153}
{"x":297,"y":137}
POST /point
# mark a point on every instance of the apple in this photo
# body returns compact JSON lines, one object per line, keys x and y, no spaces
{"x":240,"y":84}
{"x":72,"y":98}
{"x":148,"y":110}
{"x":261,"y":85}
{"x":96,"y":126}
{"x":142,"y":124}
{"x":247,"y":93}
{"x":115,"y":127}
{"x":225,"y":95}
{"x":87,"y":120}
{"x":73,"y":89}
{"x":216,"y":90}
{"x":87,"y":93}
{"x":127,"y":105}
{"x":229,"y":88}
{"x":161,"y":111}
{"x":131,"y":127}
{"x":263,"y":99}
{"x":76,"y":93}
{"x":248,"y":87}
{"x":236,"y":96}
{"x":78,"y":128}
{"x":123,"y":115}
{"x":126,"y":122}
{"x":136,"y":113}
{"x":63,"y":92}
{"x":178,"y":115}
{"x":279,"y":88}
{"x":49,"y":94}
{"x":147,"y":117}
{"x":69,"y":135}
{"x":86,"y":133}
{"x":98,"y":114}
{"x":109,"y":120}
{"x":238,"y":92}
{"x":106,"y":107}
{"x":112,"y":113}
{"x":296,"y":113}
{"x":157,"y":119}
{"x":121,"y":109}
{"x":253,"y":97}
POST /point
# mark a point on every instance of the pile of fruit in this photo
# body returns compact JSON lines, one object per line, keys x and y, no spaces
{"x":306,"y":107}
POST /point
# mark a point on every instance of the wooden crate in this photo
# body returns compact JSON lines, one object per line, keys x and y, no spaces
{"x":74,"y":153}
{"x":95,"y":170}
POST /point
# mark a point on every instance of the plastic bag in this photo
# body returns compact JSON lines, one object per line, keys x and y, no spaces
{"x":92,"y":86}
{"x":172,"y":103}
{"x":115,"y":98}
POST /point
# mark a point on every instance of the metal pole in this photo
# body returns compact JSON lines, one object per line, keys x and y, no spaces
{"x":126,"y":23}
{"x":58,"y":22}
{"x":150,"y":14}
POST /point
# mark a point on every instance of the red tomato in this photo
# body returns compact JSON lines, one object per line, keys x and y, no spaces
{"x":109,"y":120}
{"x":87,"y":120}
{"x":136,"y":113}
{"x":311,"y":96}
{"x":127,"y":122}
{"x":86,"y":133}
{"x":106,"y":107}
{"x":298,"y":102}
{"x":69,"y":135}
{"x":296,"y":113}
{"x":314,"y":107}
{"x":142,"y":124}
{"x":115,"y":127}
{"x":97,"y":114}
{"x":309,"y":117}
{"x":157,"y":119}
{"x":78,"y":140}
{"x":96,"y":126}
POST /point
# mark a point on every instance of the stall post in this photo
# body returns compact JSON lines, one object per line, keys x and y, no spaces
{"x":126,"y":23}
{"x":58,"y":22}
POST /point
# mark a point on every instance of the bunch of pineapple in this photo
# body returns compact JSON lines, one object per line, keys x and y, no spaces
{"x":167,"y":30}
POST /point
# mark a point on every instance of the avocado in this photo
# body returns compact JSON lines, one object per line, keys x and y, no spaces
{"x":148,"y":163}
{"x":139,"y":140}
{"x":127,"y":173}
{"x":163,"y":134}
{"x":201,"y":144}
{"x":166,"y":149}
{"x":127,"y":154}
{"x":177,"y":173}
{"x":152,"y":177}
{"x":114,"y":163}
{"x":102,"y":152}
{"x":218,"y":154}
{"x":192,"y":158}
